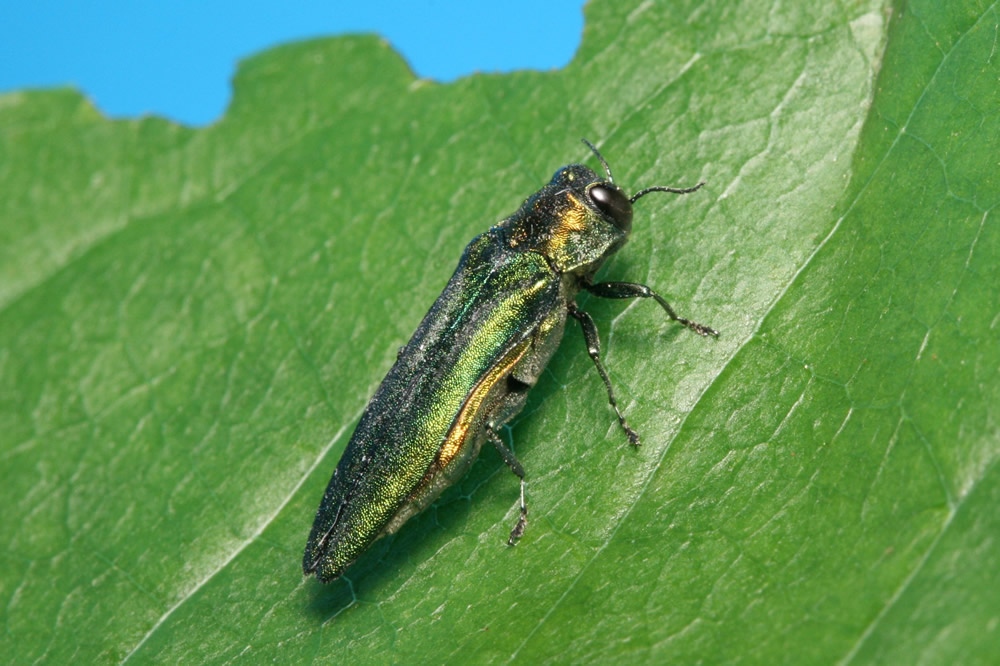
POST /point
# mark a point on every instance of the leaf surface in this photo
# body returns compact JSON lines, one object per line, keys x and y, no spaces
{"x":191,"y":323}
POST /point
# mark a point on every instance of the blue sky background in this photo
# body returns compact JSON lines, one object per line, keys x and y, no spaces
{"x":176,"y":58}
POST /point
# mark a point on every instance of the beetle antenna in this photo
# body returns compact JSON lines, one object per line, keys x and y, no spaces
{"x":661,"y":188}
{"x":611,"y":179}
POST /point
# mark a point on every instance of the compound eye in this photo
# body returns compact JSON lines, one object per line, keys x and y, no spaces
{"x":614,"y":204}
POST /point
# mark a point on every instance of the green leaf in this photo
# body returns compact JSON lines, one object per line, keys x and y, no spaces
{"x":191,"y":322}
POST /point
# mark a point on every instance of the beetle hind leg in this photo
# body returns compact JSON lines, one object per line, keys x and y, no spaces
{"x":515,"y":466}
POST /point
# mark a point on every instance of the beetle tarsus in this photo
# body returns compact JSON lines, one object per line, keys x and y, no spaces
{"x":522,"y":521}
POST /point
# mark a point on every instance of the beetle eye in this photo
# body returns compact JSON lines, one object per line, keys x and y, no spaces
{"x":614,"y":204}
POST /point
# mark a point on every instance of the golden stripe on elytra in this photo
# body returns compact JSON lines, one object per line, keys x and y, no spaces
{"x":457,"y":436}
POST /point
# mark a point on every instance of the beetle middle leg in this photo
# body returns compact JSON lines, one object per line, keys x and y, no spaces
{"x":633,"y":290}
{"x":594,"y":349}
{"x":515,"y":466}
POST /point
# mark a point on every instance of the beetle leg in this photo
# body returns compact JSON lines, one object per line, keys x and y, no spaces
{"x":633,"y":290}
{"x":594,"y":349}
{"x":515,"y":466}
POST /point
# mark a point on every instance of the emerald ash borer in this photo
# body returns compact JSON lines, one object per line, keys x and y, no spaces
{"x":469,"y":366}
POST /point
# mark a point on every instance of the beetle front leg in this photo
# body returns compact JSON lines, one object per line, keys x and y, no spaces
{"x":515,"y":466}
{"x":633,"y":290}
{"x":594,"y":349}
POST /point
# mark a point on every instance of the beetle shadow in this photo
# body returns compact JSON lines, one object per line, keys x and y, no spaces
{"x":326,"y":601}
{"x":393,"y":559}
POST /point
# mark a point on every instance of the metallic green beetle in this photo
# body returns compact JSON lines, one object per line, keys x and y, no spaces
{"x":468,"y":368}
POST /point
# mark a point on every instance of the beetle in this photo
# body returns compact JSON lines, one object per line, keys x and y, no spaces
{"x":469,"y":366}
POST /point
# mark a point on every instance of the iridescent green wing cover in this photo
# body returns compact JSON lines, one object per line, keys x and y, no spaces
{"x":498,"y":305}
